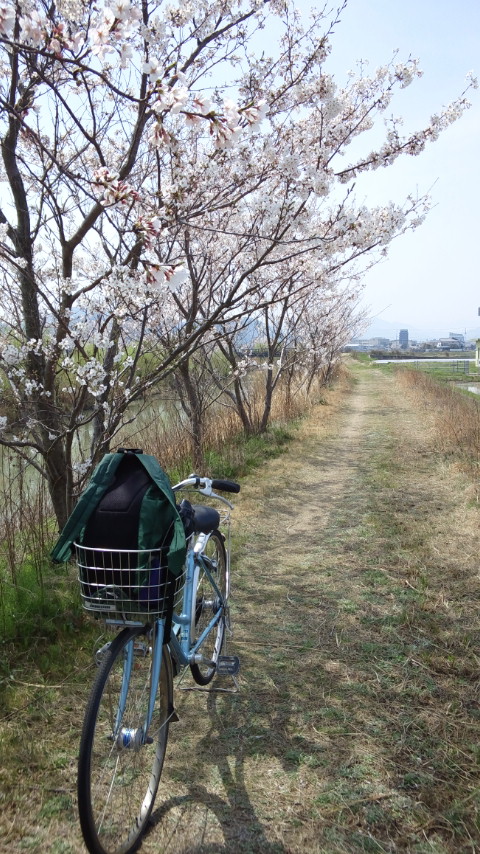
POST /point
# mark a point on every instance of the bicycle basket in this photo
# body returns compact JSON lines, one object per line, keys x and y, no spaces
{"x":123,"y":584}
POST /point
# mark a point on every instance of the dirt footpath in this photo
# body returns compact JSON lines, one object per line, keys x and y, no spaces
{"x":355,"y":608}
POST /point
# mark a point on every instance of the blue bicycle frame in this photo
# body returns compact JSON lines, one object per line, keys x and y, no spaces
{"x":180,"y":641}
{"x":180,"y":645}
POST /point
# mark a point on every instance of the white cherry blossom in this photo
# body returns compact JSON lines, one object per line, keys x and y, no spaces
{"x":162,"y":210}
{"x":7,"y":18}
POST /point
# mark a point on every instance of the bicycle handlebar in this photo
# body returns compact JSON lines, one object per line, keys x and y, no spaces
{"x":205,"y":484}
{"x":226,"y":485}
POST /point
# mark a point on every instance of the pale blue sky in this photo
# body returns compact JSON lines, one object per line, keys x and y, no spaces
{"x":431,"y":280}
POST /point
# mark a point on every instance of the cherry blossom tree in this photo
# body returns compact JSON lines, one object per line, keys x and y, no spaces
{"x":87,"y":257}
{"x":161,"y":180}
{"x":291,"y":343}
{"x":327,"y":323}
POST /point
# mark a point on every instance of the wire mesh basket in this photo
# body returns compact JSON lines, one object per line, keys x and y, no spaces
{"x":124,"y":585}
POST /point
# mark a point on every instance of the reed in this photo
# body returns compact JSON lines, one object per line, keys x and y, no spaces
{"x":30,"y":590}
{"x":26,"y":532}
{"x":454,"y":416}
{"x":168,"y":437}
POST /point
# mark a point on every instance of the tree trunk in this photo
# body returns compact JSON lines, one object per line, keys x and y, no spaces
{"x":58,"y":480}
{"x":243,"y":410}
{"x":194,"y":411}
{"x":267,"y":403}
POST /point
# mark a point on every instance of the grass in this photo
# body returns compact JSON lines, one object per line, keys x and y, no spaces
{"x":228,"y":452}
{"x":46,"y":668}
{"x":456,"y":371}
{"x":452,"y":416}
{"x":382,"y":706}
{"x":31,"y":592}
{"x":247,"y":453}
{"x":356,"y":618}
{"x":29,"y":605}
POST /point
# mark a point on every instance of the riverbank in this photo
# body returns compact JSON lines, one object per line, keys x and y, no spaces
{"x":355,"y":607}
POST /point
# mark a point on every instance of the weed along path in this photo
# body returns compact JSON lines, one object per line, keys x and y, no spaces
{"x":356,"y":606}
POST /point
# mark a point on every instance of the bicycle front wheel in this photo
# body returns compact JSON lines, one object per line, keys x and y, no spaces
{"x":120,"y":764}
{"x":206,"y":605}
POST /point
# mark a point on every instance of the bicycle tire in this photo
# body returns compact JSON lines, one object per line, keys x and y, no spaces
{"x":119,"y":774}
{"x":204,"y":606}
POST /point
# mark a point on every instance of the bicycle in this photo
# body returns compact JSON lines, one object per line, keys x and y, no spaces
{"x":126,"y":724}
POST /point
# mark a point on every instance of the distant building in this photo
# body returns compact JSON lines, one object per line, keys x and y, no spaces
{"x":366,"y":344}
{"x":403,"y":339}
{"x":382,"y":343}
{"x":449,"y":344}
{"x":458,"y":337}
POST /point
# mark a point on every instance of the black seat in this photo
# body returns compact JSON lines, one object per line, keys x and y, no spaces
{"x":206,"y":519}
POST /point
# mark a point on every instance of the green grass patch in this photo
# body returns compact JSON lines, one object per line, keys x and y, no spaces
{"x":453,"y":371}
{"x":32,"y":604}
{"x":247,"y":453}
{"x":241,"y":455}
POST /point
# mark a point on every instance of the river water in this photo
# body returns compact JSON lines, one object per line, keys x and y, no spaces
{"x":474,"y":389}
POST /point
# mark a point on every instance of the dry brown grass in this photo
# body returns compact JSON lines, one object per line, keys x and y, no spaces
{"x":454,"y":416}
{"x":372,"y":641}
{"x":28,"y":592}
{"x":168,"y":438}
{"x":356,"y":618}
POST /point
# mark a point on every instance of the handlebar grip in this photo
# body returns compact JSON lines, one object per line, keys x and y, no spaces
{"x":226,"y":485}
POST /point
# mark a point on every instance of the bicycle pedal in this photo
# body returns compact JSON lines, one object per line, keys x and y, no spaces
{"x":228,"y":665}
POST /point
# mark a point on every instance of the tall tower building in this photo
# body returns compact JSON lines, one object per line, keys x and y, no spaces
{"x":403,"y":339}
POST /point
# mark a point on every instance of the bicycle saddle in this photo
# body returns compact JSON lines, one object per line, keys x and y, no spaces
{"x":205,"y":519}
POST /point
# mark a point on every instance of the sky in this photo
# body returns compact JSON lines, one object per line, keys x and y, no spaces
{"x":430,"y":283}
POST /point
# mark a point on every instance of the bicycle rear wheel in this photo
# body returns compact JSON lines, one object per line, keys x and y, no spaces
{"x":206,"y":604}
{"x":120,"y":765}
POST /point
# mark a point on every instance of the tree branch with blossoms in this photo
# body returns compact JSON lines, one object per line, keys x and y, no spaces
{"x":162,"y":184}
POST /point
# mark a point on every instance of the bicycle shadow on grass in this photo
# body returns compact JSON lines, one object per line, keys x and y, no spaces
{"x":234,"y":812}
{"x":251,"y":838}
